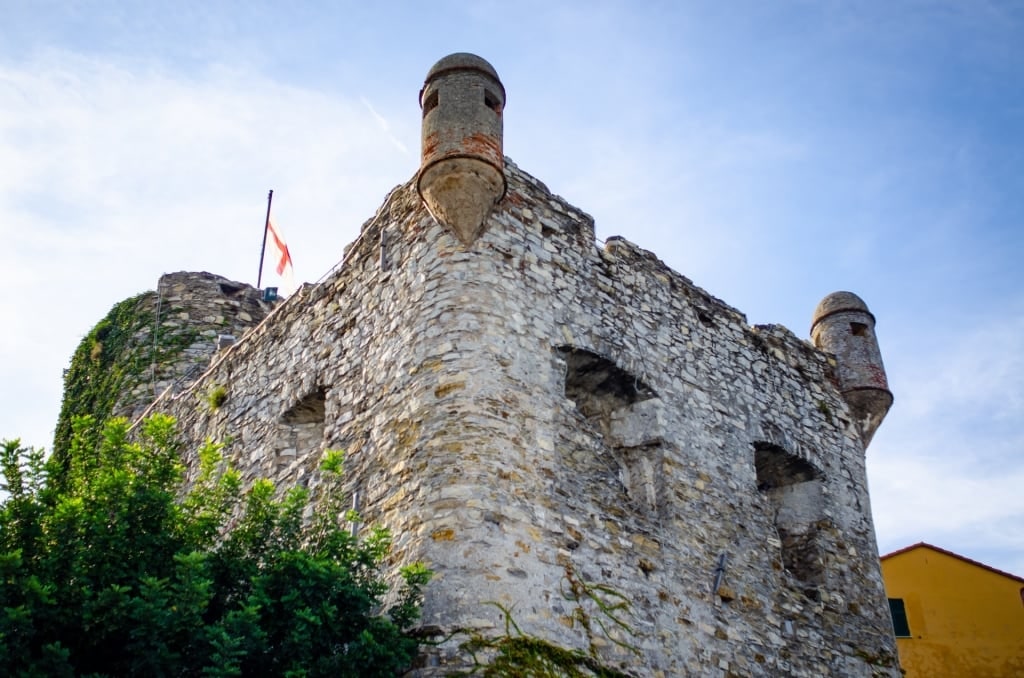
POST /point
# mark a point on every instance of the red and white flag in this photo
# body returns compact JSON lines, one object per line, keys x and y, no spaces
{"x":282,"y":257}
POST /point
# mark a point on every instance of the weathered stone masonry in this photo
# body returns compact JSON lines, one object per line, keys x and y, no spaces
{"x":191,"y":312}
{"x":527,"y":404}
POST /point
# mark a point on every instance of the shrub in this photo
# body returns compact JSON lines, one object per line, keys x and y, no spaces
{"x":119,"y":569}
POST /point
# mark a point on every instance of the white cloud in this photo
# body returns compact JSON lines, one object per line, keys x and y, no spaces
{"x":947,"y":469}
{"x":384,"y":125}
{"x":771,"y":174}
{"x":113,"y":174}
{"x":975,"y":372}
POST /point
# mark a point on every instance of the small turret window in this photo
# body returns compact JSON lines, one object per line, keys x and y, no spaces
{"x":491,"y":102}
{"x":858,"y":329}
{"x":430,"y":103}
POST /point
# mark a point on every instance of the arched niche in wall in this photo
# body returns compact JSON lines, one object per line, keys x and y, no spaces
{"x":302,"y":427}
{"x":597,"y":385}
{"x":793,"y":486}
{"x":626,"y":412}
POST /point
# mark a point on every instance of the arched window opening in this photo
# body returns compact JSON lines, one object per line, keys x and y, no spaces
{"x":229,"y":289}
{"x":629,"y":416}
{"x":302,"y":427}
{"x":777,"y":468}
{"x":597,"y":385}
{"x":793,"y":486}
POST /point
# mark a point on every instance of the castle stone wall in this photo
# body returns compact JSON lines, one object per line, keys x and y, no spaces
{"x":533,"y":410}
{"x":188,"y":312}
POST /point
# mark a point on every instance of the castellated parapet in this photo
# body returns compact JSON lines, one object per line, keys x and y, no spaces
{"x":531,"y":406}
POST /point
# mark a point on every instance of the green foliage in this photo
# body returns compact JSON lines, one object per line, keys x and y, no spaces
{"x":120,"y":570}
{"x":516,"y":654}
{"x":216,"y":397}
{"x":115,"y":357}
{"x":333,"y":461}
{"x":104,"y":363}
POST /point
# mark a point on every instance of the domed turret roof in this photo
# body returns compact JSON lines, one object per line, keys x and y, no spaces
{"x":837,"y":302}
{"x":462,"y":61}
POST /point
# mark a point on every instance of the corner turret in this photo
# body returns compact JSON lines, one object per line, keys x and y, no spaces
{"x":461,"y":176}
{"x":844,"y":326}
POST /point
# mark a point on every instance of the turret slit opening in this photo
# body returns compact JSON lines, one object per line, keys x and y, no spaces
{"x":492,"y":102}
{"x":430,"y":103}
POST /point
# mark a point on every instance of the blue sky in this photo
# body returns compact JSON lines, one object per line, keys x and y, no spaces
{"x":772,"y":152}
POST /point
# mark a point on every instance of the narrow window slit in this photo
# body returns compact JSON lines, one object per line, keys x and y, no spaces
{"x":430,"y":103}
{"x":491,"y":102}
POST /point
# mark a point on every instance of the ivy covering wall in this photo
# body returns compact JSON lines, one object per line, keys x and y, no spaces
{"x":113,"y":357}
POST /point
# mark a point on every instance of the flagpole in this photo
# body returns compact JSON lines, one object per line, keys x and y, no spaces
{"x":263,"y":247}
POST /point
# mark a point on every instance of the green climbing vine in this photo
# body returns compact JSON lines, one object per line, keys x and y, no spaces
{"x":115,"y":358}
{"x":517,"y":654}
{"x":105,"y":362}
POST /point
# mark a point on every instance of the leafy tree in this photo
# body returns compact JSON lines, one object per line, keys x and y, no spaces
{"x":110,"y":565}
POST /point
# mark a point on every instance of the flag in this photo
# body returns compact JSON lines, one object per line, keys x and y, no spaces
{"x":282,"y":256}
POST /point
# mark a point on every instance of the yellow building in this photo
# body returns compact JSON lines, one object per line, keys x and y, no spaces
{"x":954,"y":617}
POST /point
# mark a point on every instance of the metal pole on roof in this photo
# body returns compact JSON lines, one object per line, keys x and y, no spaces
{"x":263,"y":247}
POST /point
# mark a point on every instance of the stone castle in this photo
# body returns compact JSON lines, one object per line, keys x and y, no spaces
{"x":528,"y":410}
